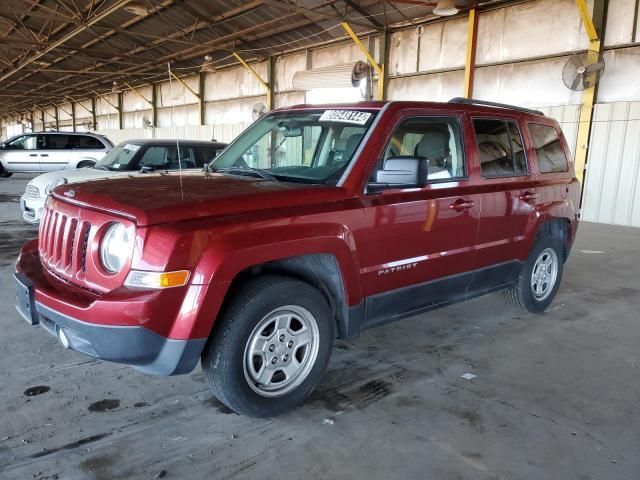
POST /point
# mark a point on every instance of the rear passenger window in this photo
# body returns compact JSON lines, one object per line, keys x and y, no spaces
{"x":57,"y":142}
{"x":500,"y":148}
{"x":549,"y":151}
{"x":87,"y":143}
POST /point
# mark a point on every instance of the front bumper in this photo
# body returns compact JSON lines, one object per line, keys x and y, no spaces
{"x":31,"y":208}
{"x":140,"y":347}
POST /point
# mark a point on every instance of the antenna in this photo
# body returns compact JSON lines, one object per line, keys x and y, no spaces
{"x":177,"y":139}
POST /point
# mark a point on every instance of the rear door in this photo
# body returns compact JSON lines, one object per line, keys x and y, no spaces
{"x":508,"y":199}
{"x":419,"y":243}
{"x":55,"y":151}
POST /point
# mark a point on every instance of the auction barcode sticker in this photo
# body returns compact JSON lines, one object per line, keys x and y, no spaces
{"x":345,"y":116}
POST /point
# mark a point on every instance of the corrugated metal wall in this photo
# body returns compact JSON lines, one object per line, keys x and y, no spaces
{"x":612,"y":189}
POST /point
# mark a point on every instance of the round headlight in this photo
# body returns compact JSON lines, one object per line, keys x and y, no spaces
{"x":115,"y":247}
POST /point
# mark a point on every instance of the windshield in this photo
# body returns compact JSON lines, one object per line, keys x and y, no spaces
{"x":308,"y":146}
{"x":119,"y":158}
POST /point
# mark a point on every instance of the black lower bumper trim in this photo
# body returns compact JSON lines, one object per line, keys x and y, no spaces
{"x":136,"y":346}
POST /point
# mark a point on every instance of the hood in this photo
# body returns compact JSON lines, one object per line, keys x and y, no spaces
{"x":151,"y":199}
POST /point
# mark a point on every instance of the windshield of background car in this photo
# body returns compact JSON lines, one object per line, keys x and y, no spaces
{"x":119,"y":158}
{"x":300,"y":146}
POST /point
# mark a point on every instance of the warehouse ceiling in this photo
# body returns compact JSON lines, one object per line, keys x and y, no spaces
{"x":53,"y":51}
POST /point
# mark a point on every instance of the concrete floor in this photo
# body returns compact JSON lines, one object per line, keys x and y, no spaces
{"x":555,"y":396}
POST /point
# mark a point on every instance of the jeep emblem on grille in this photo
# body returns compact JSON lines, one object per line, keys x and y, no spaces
{"x":70,"y":193}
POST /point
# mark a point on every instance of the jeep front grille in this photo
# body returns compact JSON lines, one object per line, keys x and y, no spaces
{"x":63,"y":243}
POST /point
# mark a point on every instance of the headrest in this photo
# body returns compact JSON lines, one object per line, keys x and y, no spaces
{"x":433,"y":145}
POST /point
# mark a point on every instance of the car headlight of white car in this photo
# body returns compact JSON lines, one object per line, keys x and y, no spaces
{"x":115,"y":247}
{"x":52,"y":185}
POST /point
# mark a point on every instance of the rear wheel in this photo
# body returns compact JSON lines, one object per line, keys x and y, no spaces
{"x":540,"y":277}
{"x":4,"y":173}
{"x":270,"y":347}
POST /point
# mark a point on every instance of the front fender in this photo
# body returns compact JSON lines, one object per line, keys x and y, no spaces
{"x":222,"y":260}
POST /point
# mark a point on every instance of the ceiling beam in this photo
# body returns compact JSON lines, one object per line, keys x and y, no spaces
{"x":52,"y":46}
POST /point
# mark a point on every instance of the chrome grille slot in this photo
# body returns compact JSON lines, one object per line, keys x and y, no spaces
{"x":85,"y":241}
{"x":63,"y":243}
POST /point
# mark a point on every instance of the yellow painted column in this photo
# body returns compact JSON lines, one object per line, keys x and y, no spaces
{"x":470,"y":64}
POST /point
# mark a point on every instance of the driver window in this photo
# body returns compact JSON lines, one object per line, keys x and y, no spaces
{"x":439,"y":140}
{"x":26,"y":142}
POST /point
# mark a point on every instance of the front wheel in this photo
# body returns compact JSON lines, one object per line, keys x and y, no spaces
{"x":270,"y":347}
{"x":539,"y":280}
{"x":86,"y":164}
{"x":4,"y":173}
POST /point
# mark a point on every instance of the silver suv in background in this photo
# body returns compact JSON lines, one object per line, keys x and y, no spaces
{"x":49,"y":151}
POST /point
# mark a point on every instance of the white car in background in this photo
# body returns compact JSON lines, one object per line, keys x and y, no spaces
{"x":49,"y":151}
{"x":130,"y":156}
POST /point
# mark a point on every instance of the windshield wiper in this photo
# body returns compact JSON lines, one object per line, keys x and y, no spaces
{"x":101,"y":167}
{"x":245,"y":171}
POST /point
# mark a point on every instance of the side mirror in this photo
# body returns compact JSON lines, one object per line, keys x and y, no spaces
{"x":401,"y":172}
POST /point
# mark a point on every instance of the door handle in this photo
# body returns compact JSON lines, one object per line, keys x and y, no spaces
{"x":461,"y":205}
{"x":528,"y":196}
{"x":33,"y":154}
{"x":44,"y":154}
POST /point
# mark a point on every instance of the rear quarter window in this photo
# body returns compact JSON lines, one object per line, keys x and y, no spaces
{"x":549,"y":152}
{"x":88,"y":143}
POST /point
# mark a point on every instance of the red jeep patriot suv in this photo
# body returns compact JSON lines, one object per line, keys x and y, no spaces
{"x":317,"y":222}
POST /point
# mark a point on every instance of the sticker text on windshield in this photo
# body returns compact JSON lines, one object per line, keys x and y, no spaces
{"x":345,"y":116}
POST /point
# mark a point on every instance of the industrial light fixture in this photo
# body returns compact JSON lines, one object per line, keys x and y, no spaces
{"x":137,"y":8}
{"x":445,"y":8}
{"x":207,"y":65}
{"x":114,"y":87}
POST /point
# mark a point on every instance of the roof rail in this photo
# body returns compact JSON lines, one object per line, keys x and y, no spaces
{"x":472,"y":101}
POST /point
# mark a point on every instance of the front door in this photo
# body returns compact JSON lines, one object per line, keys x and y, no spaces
{"x":20,"y":154}
{"x":419,"y":243}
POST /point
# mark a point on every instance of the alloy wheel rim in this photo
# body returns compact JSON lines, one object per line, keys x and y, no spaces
{"x":544,"y":274}
{"x":281,"y":351}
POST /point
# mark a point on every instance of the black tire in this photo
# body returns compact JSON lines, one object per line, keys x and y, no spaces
{"x":85,"y":163}
{"x":4,"y":173}
{"x":521,"y":294}
{"x":223,"y":357}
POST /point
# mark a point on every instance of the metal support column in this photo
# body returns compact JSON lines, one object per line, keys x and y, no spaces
{"x":271,"y":81}
{"x":57,"y":118}
{"x":470,"y":64}
{"x":154,"y":105}
{"x":94,"y":117}
{"x":201,"y":105}
{"x":73,"y":115}
{"x":594,"y":26}
{"x":120,"y":111}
